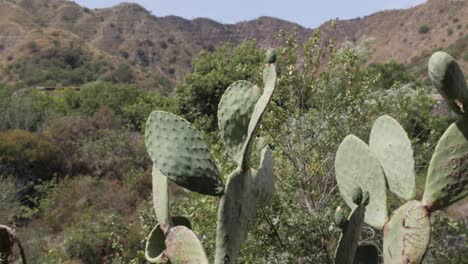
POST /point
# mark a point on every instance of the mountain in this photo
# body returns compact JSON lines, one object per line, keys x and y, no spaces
{"x":163,"y":47}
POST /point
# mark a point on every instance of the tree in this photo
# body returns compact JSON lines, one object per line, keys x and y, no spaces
{"x":199,"y":94}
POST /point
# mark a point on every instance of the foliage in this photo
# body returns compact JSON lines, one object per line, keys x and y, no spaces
{"x":123,"y":74}
{"x":391,"y":73}
{"x":112,"y":154}
{"x":9,"y":200}
{"x":424,"y":29}
{"x":28,"y":156}
{"x":135,"y":114}
{"x":199,"y":94}
{"x":58,"y":66}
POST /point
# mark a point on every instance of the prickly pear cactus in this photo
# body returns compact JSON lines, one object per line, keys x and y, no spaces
{"x":447,"y":177}
{"x":449,"y":80}
{"x":357,"y":167}
{"x":234,"y":113}
{"x":407,"y":233}
{"x":366,"y":254}
{"x":245,"y":188}
{"x":179,"y":154}
{"x":349,"y":238}
{"x":392,"y":147}
{"x":155,"y":249}
{"x":161,"y":197}
{"x":183,"y":246}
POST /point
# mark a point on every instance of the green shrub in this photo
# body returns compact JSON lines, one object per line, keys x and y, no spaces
{"x":199,"y":94}
{"x":28,"y":156}
{"x":115,"y":96}
{"x":9,"y":200}
{"x":114,"y":154}
{"x":123,"y":74}
{"x":391,"y":73}
{"x":424,"y":29}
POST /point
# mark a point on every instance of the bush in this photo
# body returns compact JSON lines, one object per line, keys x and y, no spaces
{"x":424,"y":29}
{"x":199,"y":94}
{"x":9,"y":200}
{"x":113,"y":155}
{"x":115,"y":96}
{"x":28,"y":156}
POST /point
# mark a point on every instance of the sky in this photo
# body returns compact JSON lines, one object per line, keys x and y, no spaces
{"x":308,"y":13}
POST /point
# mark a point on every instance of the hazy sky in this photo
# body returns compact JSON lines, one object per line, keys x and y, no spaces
{"x":308,"y":13}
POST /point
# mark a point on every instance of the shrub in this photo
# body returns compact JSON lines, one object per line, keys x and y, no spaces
{"x":32,"y":46}
{"x":123,"y":74}
{"x":115,"y":96}
{"x":9,"y":200}
{"x":28,"y":156}
{"x":114,"y":154}
{"x":199,"y":94}
{"x":424,"y":29}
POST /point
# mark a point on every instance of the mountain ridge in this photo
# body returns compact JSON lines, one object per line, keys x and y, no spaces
{"x":167,"y":44}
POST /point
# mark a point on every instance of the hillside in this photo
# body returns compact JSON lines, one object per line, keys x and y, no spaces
{"x":166,"y":45}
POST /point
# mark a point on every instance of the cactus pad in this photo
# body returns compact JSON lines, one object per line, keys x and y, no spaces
{"x":356,"y":166}
{"x":160,"y":197}
{"x":234,"y":112}
{"x":447,"y":176}
{"x":407,"y":234}
{"x":449,"y":80}
{"x":180,"y":153}
{"x":349,"y":238}
{"x":366,"y":254}
{"x":392,"y":147}
{"x":257,"y":114}
{"x":235,"y":214}
{"x":264,"y":180}
{"x":183,"y":246}
{"x":154,"y":250}
{"x":155,"y":245}
{"x":270,"y":56}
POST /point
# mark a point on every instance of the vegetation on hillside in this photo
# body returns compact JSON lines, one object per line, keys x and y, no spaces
{"x":88,"y":190}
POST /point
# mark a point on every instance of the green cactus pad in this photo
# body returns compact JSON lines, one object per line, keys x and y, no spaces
{"x":235,"y":214}
{"x":356,"y":166}
{"x":160,"y":197}
{"x":155,"y":245}
{"x":349,"y":238}
{"x":407,"y":234}
{"x":449,"y":80}
{"x":234,"y":112}
{"x":257,"y":114}
{"x":392,"y":147}
{"x":181,"y":154}
{"x":264,"y":180}
{"x":366,"y":254}
{"x":270,"y":56}
{"x":183,"y":246}
{"x":447,"y":176}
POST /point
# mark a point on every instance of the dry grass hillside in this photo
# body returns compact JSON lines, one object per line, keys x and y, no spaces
{"x":166,"y":45}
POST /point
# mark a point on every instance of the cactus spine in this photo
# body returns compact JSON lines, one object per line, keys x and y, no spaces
{"x":179,"y":154}
{"x":389,"y":159}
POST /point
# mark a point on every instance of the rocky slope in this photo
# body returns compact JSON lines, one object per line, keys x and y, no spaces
{"x":166,"y":45}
